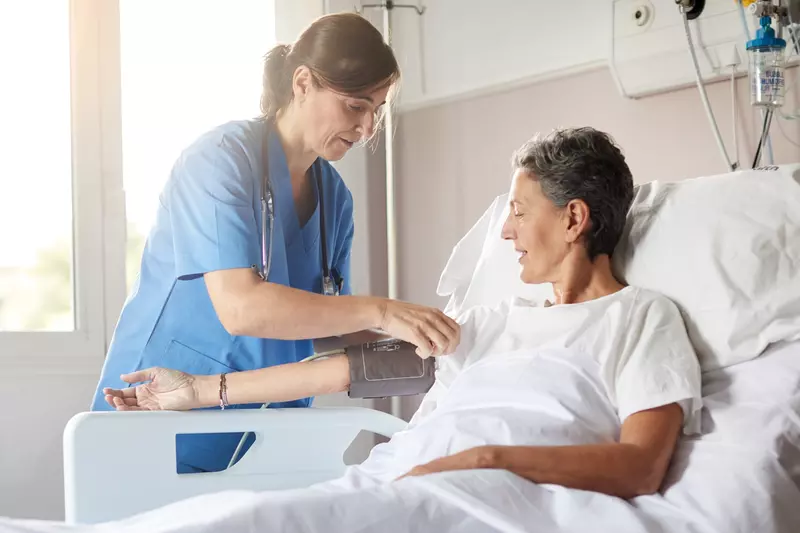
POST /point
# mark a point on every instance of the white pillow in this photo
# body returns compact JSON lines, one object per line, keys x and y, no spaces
{"x":483,"y":268}
{"x":725,"y":249}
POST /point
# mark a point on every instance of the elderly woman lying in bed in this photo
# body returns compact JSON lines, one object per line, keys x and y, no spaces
{"x":590,"y":391}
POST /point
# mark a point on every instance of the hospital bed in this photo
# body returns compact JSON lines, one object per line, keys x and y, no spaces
{"x":725,"y":248}
{"x":293,"y":448}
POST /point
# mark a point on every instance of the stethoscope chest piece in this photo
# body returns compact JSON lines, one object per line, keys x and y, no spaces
{"x":331,"y":286}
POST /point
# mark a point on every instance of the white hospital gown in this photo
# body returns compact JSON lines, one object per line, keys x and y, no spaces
{"x":560,"y":375}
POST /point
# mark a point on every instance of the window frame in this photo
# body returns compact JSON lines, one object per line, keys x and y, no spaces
{"x":98,"y":198}
{"x":98,"y":204}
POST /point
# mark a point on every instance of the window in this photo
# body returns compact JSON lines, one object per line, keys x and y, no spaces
{"x":65,"y":125}
{"x":36,"y":252}
{"x":187,"y":66}
{"x":57,"y":181}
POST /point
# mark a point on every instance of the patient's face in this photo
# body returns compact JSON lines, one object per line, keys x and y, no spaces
{"x":534,"y":225}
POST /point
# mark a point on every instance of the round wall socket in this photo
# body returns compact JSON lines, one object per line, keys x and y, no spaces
{"x":642,"y":14}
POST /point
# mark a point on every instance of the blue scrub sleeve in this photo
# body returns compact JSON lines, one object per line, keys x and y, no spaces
{"x":342,"y":260}
{"x":210,"y":204}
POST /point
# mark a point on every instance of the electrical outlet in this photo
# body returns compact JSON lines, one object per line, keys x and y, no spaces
{"x":642,"y":14}
{"x":634,"y":16}
{"x":654,"y":57}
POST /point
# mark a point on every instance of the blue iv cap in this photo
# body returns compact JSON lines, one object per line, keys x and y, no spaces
{"x":765,"y":37}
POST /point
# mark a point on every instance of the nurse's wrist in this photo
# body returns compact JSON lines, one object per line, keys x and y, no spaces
{"x":206,"y":390}
{"x":377,"y":313}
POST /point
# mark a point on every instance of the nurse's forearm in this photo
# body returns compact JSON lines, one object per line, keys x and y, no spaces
{"x":301,"y":314}
{"x":247,"y":306}
{"x":280,"y":383}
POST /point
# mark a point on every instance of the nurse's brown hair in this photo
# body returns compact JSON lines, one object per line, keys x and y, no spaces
{"x":344,"y":52}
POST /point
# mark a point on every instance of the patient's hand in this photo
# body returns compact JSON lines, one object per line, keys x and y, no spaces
{"x":466,"y":460}
{"x":166,"y":390}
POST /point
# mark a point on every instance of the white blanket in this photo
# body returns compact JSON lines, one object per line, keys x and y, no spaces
{"x":742,"y":475}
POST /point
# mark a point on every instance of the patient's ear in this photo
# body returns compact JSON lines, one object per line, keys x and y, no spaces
{"x":576,"y":220}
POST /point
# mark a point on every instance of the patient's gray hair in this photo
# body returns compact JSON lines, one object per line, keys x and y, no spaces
{"x":582,"y":164}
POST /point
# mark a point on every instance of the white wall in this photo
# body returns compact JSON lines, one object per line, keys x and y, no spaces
{"x":353,"y":169}
{"x":34,"y":411}
{"x":465,"y":46}
{"x":293,"y":15}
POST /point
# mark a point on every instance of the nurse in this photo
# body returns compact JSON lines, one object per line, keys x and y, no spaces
{"x":259,"y":197}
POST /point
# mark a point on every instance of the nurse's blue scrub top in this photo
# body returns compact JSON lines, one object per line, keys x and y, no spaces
{"x":209,"y":219}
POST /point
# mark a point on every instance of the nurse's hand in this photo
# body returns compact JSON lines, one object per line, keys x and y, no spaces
{"x":428,"y":328}
{"x":165,"y":390}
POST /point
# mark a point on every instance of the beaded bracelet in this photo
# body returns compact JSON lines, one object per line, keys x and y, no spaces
{"x":223,"y":392}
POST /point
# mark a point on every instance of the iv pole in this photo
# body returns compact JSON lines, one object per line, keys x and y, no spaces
{"x":391,"y":212}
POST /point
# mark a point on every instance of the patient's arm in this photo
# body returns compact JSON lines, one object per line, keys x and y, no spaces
{"x":634,"y":466}
{"x":328,"y":344}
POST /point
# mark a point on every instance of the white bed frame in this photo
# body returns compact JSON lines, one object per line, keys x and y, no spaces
{"x":117,"y":464}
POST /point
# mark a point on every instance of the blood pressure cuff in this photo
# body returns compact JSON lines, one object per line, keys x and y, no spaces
{"x":388,"y":368}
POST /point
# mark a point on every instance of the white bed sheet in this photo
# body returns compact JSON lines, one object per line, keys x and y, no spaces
{"x":741,"y":475}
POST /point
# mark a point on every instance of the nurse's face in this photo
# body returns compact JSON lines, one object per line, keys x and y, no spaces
{"x":542,"y":233}
{"x":335,"y":122}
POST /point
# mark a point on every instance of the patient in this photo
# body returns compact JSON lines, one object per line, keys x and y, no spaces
{"x":589,"y":391}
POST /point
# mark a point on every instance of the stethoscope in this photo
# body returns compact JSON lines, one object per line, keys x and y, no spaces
{"x":332,"y":283}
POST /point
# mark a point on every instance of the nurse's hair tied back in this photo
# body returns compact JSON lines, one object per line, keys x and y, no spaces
{"x":344,"y":52}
